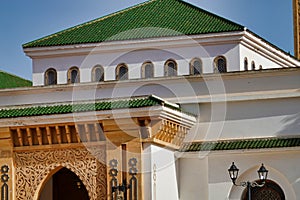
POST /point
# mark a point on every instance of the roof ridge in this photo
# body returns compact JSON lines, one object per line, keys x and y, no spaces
{"x":210,"y":13}
{"x":91,"y":21}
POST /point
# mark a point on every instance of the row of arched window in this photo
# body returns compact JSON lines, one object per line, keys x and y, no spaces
{"x":252,"y":67}
{"x":147,"y":71}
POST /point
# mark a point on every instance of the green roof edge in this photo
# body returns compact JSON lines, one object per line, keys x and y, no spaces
{"x":77,"y":107}
{"x":242,"y":144}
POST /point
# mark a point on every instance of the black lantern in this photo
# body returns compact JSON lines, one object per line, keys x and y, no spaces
{"x":262,"y":173}
{"x":233,"y":172}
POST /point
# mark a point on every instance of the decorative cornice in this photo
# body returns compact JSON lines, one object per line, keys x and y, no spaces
{"x":163,"y":80}
{"x":130,"y":45}
{"x":78,"y":107}
{"x":268,"y":50}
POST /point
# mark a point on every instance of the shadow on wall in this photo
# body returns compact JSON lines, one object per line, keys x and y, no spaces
{"x":292,"y":125}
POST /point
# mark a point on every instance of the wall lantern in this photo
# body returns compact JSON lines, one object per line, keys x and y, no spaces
{"x":262,"y":175}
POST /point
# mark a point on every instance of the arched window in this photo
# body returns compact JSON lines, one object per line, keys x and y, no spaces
{"x":246,"y":64}
{"x":50,"y":77}
{"x":147,"y":70}
{"x":196,"y":66}
{"x":122,"y":72}
{"x":170,"y":68}
{"x":253,"y":65}
{"x":260,"y":67}
{"x":98,"y":73}
{"x":73,"y":75}
{"x":220,"y":64}
{"x":270,"y":190}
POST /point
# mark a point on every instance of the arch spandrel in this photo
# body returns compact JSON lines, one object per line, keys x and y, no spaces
{"x":33,"y":169}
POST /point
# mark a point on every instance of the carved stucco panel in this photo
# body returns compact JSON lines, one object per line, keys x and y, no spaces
{"x":34,"y":167}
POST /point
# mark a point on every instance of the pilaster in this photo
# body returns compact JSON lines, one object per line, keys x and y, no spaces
{"x":6,"y":165}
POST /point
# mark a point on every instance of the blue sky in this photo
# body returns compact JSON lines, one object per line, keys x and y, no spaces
{"x":23,"y":21}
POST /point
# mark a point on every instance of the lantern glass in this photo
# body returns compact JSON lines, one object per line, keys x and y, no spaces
{"x":262,"y":173}
{"x":233,"y":172}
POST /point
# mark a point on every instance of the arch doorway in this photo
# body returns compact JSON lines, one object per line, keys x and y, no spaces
{"x":270,"y":191}
{"x":64,"y":185}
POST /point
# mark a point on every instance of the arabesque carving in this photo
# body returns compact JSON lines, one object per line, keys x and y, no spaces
{"x":34,"y":167}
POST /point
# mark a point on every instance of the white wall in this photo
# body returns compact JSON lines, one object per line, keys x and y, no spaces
{"x":204,"y":175}
{"x":193,"y":176}
{"x":247,"y":119}
{"x":134,"y":60}
{"x":258,"y":58}
{"x":161,"y":181}
{"x":281,"y":164}
{"x":257,"y":116}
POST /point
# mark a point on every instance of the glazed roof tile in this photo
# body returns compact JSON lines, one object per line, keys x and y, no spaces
{"x":135,"y":102}
{"x":154,"y":18}
{"x":243,"y":144}
{"x":12,"y":81}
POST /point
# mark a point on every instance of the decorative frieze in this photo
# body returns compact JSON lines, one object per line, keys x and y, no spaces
{"x":57,"y":134}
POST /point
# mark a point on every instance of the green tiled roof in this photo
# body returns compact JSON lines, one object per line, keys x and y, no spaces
{"x":155,"y":18}
{"x":11,"y":81}
{"x":85,"y":107}
{"x":244,"y":144}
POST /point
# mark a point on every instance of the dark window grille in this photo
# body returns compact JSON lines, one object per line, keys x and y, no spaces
{"x":171,"y":68}
{"x":221,"y":65}
{"x":98,"y":74}
{"x":148,"y":70}
{"x":51,"y":77}
{"x":270,"y":191}
{"x":196,"y":67}
{"x":123,"y":73}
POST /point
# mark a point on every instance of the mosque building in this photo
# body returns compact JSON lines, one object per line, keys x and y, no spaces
{"x":161,"y":100}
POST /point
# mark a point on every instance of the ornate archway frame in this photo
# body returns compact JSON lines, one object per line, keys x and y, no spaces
{"x":274,"y":175}
{"x":33,"y":169}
